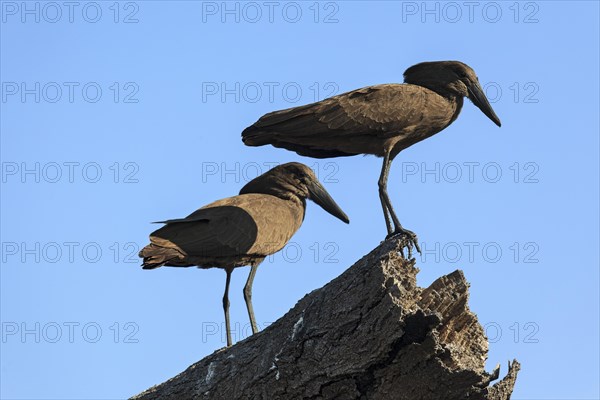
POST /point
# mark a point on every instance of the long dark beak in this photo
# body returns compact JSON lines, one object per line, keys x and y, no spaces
{"x":478,"y":98}
{"x":319,"y":195}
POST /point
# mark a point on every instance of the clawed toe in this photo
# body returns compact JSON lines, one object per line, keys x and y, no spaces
{"x":410,"y":239}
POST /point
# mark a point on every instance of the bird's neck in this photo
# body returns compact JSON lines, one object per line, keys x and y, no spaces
{"x":458,"y":102}
{"x":444,"y":91}
{"x":454,"y":99}
{"x":296,"y":203}
{"x":286,"y":193}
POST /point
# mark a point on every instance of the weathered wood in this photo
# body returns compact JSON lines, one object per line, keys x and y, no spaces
{"x":371,"y":333}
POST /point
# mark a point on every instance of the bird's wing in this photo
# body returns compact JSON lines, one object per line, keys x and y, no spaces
{"x":186,"y":219}
{"x":382,"y":110}
{"x":209,"y":232}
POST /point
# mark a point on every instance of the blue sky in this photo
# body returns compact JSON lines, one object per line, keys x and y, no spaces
{"x":118,"y":114}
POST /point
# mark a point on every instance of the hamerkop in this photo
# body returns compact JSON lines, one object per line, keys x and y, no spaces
{"x":381,"y":120}
{"x":241,"y":230}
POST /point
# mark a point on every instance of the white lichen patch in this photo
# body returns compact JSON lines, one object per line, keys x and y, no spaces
{"x":210,"y":373}
{"x":297,"y":326}
{"x":274,"y":367}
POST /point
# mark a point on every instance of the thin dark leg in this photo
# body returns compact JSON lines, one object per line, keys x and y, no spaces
{"x":382,"y":189}
{"x":385,"y":199}
{"x":248,"y":297}
{"x":385,"y":214}
{"x":387,"y":205}
{"x":226,"y":306}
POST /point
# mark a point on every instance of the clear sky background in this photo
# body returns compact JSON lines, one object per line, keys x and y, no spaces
{"x":118,"y":114}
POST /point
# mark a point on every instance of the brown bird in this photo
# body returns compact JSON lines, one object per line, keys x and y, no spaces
{"x":381,"y":120}
{"x":241,"y":230}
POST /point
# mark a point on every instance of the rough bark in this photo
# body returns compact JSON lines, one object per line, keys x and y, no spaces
{"x":371,"y":333}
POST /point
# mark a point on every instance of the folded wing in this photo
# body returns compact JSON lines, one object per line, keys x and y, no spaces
{"x":316,"y":129}
{"x":208,"y":233}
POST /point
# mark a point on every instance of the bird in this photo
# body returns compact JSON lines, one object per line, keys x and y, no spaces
{"x":380,"y":120}
{"x":241,"y":230}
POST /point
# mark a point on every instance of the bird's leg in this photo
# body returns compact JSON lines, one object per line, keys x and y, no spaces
{"x":385,"y":199}
{"x":387,"y":205}
{"x":385,"y":215}
{"x":226,"y":306}
{"x":248,"y":297}
{"x":382,"y":188}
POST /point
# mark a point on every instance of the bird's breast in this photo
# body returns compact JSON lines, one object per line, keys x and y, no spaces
{"x":277,"y":221}
{"x":434,"y":114}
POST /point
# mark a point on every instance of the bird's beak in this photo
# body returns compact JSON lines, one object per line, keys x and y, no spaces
{"x":319,"y":195}
{"x":478,"y":98}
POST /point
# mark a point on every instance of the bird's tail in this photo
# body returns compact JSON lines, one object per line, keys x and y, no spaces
{"x":253,"y":136}
{"x":156,"y":256}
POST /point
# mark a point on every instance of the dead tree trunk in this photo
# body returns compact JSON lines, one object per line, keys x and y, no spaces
{"x":371,"y":333}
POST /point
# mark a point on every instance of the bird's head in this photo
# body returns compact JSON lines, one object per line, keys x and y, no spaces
{"x":295,"y":180}
{"x":451,"y":78}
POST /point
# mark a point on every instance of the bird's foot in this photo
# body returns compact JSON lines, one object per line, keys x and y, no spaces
{"x":410,"y":240}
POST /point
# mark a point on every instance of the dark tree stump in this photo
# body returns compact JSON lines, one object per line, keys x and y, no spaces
{"x":371,"y":333}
